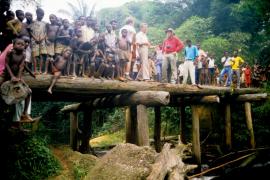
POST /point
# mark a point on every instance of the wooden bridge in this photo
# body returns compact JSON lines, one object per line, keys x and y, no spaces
{"x":136,"y":96}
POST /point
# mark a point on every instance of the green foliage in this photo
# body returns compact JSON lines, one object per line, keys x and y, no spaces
{"x":217,"y":46}
{"x":31,"y":159}
{"x":156,"y":35}
{"x":108,"y":121}
{"x":195,"y":28}
{"x":54,"y":125}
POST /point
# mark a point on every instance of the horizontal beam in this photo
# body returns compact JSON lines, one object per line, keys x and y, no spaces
{"x":80,"y":89}
{"x":146,"y":98}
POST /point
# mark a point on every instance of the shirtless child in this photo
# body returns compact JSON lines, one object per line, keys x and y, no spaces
{"x":38,"y":44}
{"x":15,"y":60}
{"x":123,"y":52}
{"x":58,"y":66}
{"x":52,"y":30}
{"x":63,"y":38}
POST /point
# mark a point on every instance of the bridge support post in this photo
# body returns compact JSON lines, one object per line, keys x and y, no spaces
{"x":131,"y":124}
{"x":142,"y":126}
{"x":73,"y":138}
{"x":86,"y":131}
{"x":228,"y":126}
{"x":249,"y":124}
{"x":157,"y":129}
{"x":182,"y":118}
{"x":196,"y":134}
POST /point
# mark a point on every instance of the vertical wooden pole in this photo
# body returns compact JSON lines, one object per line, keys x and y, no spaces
{"x":86,"y":131}
{"x":249,"y":124}
{"x":131,"y":124}
{"x":73,"y":138}
{"x":196,"y":134}
{"x":228,"y":126}
{"x":157,"y":129}
{"x":182,"y":116}
{"x":142,"y":126}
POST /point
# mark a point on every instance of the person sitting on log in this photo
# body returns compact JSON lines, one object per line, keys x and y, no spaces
{"x":58,"y":66}
{"x":15,"y":63}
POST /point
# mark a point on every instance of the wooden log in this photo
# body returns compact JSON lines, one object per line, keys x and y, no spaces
{"x":142,"y":126}
{"x":86,"y":131}
{"x":228,"y":128}
{"x":196,"y":134}
{"x":249,"y":124}
{"x":157,"y":129}
{"x":147,"y":98}
{"x":182,"y":119}
{"x":252,"y":97}
{"x":131,"y":124}
{"x":169,"y":163}
{"x":77,"y":89}
{"x":73,"y":130}
{"x":195,"y":100}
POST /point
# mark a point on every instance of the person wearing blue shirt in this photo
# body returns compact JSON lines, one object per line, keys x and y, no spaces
{"x":191,"y":53}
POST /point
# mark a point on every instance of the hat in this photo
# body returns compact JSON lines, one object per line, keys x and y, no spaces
{"x":169,"y":29}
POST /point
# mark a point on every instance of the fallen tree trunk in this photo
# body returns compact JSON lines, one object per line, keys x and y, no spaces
{"x":80,"y":88}
{"x":170,"y":163}
{"x":147,"y":98}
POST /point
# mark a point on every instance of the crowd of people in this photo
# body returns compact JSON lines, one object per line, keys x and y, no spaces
{"x":80,"y":49}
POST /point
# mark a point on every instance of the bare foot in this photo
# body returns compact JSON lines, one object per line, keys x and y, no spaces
{"x":49,"y":91}
{"x":25,"y":118}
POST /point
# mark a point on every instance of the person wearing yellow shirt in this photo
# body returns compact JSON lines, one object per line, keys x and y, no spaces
{"x":236,"y":62}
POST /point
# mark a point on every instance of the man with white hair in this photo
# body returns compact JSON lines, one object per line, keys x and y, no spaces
{"x":131,"y":38}
{"x":143,"y":45}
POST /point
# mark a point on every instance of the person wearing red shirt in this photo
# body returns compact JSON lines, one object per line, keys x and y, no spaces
{"x":171,"y":46}
{"x":247,"y":73}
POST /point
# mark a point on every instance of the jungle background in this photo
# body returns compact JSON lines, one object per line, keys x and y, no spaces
{"x":218,"y":25}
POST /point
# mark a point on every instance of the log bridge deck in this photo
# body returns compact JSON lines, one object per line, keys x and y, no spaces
{"x":136,"y":97}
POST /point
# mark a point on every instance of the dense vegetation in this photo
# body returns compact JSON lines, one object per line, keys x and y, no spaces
{"x":218,"y":25}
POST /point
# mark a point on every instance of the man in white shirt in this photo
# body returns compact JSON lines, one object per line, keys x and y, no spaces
{"x":199,"y":65}
{"x":143,"y":44}
{"x":226,"y":61}
{"x":87,"y":31}
{"x":131,"y":38}
{"x":211,"y":68}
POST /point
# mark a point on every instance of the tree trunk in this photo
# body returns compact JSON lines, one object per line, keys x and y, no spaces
{"x":142,"y":126}
{"x":131,"y":124}
{"x":157,"y":129}
{"x":79,"y":89}
{"x":249,"y":124}
{"x":169,"y":163}
{"x":86,"y":131}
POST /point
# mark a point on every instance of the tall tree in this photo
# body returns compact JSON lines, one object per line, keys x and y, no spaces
{"x":80,"y":8}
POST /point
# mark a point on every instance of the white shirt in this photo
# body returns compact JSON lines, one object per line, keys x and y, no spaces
{"x":211,"y":62}
{"x":87,"y":33}
{"x":226,"y":60}
{"x":131,"y":31}
{"x":181,"y":69}
{"x":110,"y":39}
{"x":201,"y":54}
{"x":28,"y":54}
{"x":141,"y":38}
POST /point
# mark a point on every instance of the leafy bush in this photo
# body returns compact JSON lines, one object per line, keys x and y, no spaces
{"x":31,"y":159}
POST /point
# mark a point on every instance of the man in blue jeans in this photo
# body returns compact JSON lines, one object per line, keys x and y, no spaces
{"x":227,"y":69}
